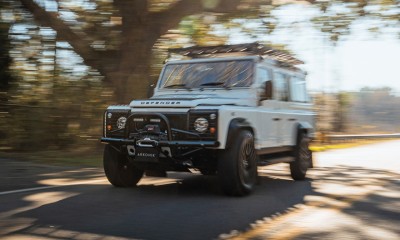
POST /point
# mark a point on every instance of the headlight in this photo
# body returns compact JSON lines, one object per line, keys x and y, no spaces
{"x":201,"y":125}
{"x":121,"y":122}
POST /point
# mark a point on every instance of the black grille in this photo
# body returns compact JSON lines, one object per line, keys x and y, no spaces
{"x":176,"y":121}
{"x":180,"y":122}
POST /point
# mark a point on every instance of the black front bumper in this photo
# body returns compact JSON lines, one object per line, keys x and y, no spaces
{"x":163,"y":143}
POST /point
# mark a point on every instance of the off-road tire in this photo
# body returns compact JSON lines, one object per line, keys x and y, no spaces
{"x":302,"y":154}
{"x":119,"y":171}
{"x":237,"y":167}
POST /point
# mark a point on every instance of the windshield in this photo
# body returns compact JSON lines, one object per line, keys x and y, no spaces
{"x":226,"y":74}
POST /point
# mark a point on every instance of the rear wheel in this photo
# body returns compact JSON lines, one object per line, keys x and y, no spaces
{"x":119,"y":171}
{"x":302,"y":154}
{"x":237,"y":167}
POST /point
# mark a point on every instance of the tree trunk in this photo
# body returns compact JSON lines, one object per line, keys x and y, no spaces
{"x":132,"y":76}
{"x":5,"y":60}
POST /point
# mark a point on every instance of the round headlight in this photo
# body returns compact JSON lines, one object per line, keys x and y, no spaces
{"x":121,"y":122}
{"x":201,"y":125}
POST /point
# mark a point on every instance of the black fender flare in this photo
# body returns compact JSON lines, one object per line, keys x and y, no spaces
{"x":235,"y":126}
{"x":305,"y":128}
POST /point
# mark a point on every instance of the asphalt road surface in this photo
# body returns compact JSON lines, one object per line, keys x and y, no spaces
{"x":350,"y":194}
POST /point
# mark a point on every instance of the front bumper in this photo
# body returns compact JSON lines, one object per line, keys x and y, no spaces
{"x":163,"y":143}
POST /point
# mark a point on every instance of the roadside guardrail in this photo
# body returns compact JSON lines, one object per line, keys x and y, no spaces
{"x":340,"y":137}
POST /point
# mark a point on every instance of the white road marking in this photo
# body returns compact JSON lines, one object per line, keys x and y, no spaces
{"x":49,"y":187}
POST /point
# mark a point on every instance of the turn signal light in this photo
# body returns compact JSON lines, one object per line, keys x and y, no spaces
{"x":212,"y":130}
{"x":109,"y":127}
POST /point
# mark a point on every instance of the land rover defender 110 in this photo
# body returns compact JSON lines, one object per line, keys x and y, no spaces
{"x":224,"y":110}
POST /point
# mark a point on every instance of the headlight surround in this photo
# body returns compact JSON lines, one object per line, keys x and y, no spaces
{"x":121,"y":122}
{"x":201,"y":125}
{"x":115,"y":121}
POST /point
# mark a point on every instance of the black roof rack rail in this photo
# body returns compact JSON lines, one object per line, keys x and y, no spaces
{"x":246,"y":49}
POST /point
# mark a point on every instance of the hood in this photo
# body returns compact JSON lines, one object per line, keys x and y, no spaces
{"x":185,"y":101}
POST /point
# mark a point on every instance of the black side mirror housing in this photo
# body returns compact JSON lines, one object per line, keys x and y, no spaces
{"x":150,"y":90}
{"x":267,"y":91}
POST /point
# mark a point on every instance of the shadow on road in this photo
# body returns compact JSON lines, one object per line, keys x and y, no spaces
{"x":193,"y":207}
{"x":355,"y":203}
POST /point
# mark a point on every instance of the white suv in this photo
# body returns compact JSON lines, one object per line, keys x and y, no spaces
{"x":225,"y":111}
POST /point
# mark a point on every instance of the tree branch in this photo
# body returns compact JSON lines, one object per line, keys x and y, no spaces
{"x":80,"y":46}
{"x":170,"y":18}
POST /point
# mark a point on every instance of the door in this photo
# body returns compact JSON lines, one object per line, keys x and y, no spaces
{"x":268,"y":120}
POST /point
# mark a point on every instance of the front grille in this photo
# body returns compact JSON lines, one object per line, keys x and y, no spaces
{"x":179,"y":121}
{"x":176,"y":121}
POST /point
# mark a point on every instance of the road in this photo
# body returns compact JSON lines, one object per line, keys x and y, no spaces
{"x":350,"y":194}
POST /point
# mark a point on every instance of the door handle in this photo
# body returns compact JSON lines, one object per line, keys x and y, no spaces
{"x":292,"y":119}
{"x":276,"y":119}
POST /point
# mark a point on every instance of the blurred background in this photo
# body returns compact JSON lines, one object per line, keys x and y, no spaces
{"x":63,"y":61}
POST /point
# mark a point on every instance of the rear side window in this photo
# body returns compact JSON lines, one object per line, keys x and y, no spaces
{"x":298,"y":91}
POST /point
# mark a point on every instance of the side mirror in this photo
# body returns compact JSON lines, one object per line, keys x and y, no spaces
{"x":267,"y":91}
{"x":150,"y":90}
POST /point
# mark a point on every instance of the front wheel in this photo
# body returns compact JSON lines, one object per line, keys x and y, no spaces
{"x":237,"y":167}
{"x":303,"y":155}
{"x":118,"y":170}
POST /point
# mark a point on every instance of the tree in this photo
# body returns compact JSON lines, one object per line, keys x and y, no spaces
{"x":5,"y":60}
{"x":116,"y":38}
{"x":139,"y":25}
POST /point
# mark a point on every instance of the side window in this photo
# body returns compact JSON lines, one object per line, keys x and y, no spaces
{"x":263,"y":75}
{"x":281,"y":87}
{"x":298,"y":92}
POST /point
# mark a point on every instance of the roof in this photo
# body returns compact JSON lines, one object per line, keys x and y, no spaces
{"x":240,"y":49}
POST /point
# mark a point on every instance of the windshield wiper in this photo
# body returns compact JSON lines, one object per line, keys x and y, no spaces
{"x":215,"y":84}
{"x":212,"y":84}
{"x":178,"y":85}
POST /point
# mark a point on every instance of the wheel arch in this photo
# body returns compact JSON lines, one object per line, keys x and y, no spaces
{"x":303,"y":127}
{"x":234,"y":128}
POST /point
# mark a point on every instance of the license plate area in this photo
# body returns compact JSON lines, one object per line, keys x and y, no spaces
{"x":147,"y":154}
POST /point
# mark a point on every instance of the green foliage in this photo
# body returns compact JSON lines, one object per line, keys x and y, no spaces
{"x":371,"y":110}
{"x":5,"y":60}
{"x":53,"y":104}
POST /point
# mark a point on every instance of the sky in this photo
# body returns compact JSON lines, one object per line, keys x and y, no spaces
{"x":360,"y":59}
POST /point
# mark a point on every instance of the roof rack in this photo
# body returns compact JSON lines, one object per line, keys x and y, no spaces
{"x":240,"y":49}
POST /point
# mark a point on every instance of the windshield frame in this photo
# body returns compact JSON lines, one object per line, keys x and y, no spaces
{"x":251,"y":59}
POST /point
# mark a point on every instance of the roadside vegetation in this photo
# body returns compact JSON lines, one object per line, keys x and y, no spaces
{"x":63,"y":63}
